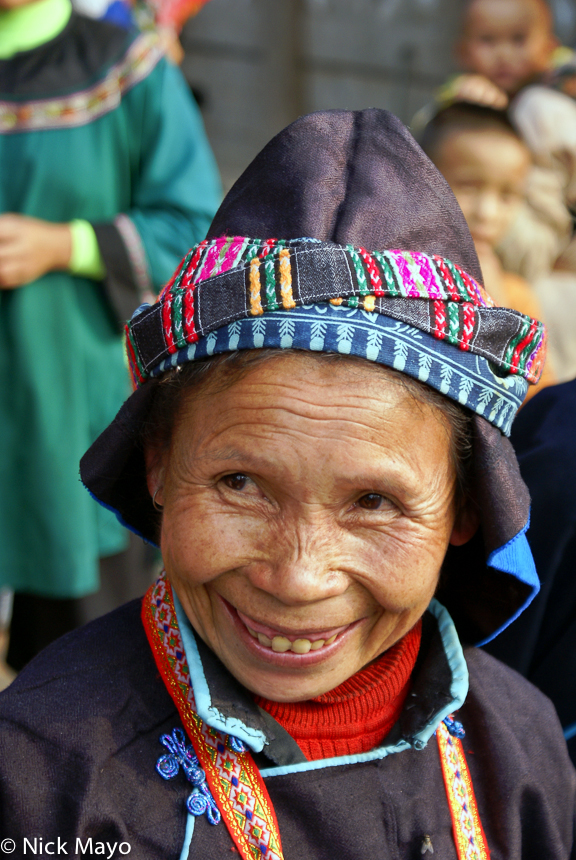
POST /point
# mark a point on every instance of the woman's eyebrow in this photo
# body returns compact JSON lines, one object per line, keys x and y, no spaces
{"x":384,"y":477}
{"x":228,"y":454}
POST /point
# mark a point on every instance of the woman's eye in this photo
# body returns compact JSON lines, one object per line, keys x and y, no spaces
{"x":372,"y":501}
{"x":237,"y":481}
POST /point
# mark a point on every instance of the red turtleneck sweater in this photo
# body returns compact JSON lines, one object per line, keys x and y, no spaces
{"x":359,"y":713}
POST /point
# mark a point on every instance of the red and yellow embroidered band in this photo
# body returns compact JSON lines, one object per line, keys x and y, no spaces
{"x":468,"y":833}
{"x":233,"y":778}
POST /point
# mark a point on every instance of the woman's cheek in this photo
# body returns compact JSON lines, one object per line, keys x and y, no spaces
{"x":403,"y":565}
{"x":204,"y":542}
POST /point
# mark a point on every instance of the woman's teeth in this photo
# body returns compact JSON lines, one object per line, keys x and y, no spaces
{"x":281,"y":644}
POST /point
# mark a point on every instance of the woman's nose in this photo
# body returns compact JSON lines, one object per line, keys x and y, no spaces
{"x":305,"y":565}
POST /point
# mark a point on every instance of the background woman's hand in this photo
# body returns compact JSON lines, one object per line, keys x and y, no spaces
{"x":30,"y":247}
{"x":479,"y":90}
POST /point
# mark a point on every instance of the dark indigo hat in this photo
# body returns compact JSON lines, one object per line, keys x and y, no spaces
{"x":372,"y":258}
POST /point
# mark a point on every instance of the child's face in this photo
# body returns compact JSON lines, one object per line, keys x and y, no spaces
{"x":507,"y":41}
{"x":487,"y":171}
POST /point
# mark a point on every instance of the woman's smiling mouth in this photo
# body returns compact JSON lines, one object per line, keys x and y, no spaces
{"x":280,"y":641}
{"x":283,"y":647}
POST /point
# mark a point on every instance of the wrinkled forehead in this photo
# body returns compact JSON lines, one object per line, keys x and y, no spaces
{"x":269,"y":376}
{"x":312,"y":416}
{"x":506,"y":15}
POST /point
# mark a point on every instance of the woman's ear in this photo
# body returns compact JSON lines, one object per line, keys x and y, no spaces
{"x":155,"y":471}
{"x":465,"y":525}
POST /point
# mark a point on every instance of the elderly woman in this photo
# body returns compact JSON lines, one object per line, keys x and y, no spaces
{"x":318,"y":443}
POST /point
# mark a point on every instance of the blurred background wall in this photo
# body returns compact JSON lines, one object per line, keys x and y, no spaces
{"x":259,"y":64}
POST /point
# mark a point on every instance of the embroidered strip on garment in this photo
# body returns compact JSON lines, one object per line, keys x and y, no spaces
{"x":83,"y":107}
{"x":468,"y":833}
{"x":233,"y":778}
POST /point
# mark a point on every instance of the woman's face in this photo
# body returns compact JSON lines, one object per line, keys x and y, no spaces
{"x":308,"y":501}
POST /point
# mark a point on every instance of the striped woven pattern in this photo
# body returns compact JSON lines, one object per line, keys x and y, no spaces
{"x":236,"y":277}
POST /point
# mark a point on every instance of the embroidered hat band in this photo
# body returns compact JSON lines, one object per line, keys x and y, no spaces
{"x":419,"y":313}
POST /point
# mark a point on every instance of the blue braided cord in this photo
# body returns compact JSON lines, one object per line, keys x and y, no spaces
{"x":181,"y":755}
{"x":236,"y":745}
{"x":455,"y":727}
{"x":570,"y":732}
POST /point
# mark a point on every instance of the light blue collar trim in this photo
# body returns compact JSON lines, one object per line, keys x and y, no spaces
{"x":458,"y":692}
{"x":256,"y":739}
{"x":206,"y":711}
{"x":339,"y":761}
{"x":188,"y":837}
{"x":457,"y":664}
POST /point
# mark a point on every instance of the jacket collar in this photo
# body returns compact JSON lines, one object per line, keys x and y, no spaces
{"x":440,"y":686}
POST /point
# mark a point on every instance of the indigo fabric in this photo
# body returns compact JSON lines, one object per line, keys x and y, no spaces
{"x":235,"y":277}
{"x":542,"y":645}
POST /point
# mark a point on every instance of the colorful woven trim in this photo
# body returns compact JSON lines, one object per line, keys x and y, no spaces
{"x":234,"y":278}
{"x":468,"y":833}
{"x":83,"y":107}
{"x":233,"y":779}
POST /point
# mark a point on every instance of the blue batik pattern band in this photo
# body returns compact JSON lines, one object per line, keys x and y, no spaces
{"x":466,"y":378}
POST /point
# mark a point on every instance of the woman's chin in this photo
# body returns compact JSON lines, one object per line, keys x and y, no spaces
{"x":283,"y":687}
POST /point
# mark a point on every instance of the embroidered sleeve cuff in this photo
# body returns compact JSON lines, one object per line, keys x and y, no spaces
{"x":124,"y":279}
{"x":86,"y":259}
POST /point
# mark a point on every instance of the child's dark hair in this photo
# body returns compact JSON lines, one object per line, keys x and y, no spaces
{"x":463,"y":116}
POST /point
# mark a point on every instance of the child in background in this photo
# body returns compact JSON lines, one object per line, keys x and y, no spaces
{"x":486,"y":164}
{"x":504,"y":46}
{"x":509,"y":52}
